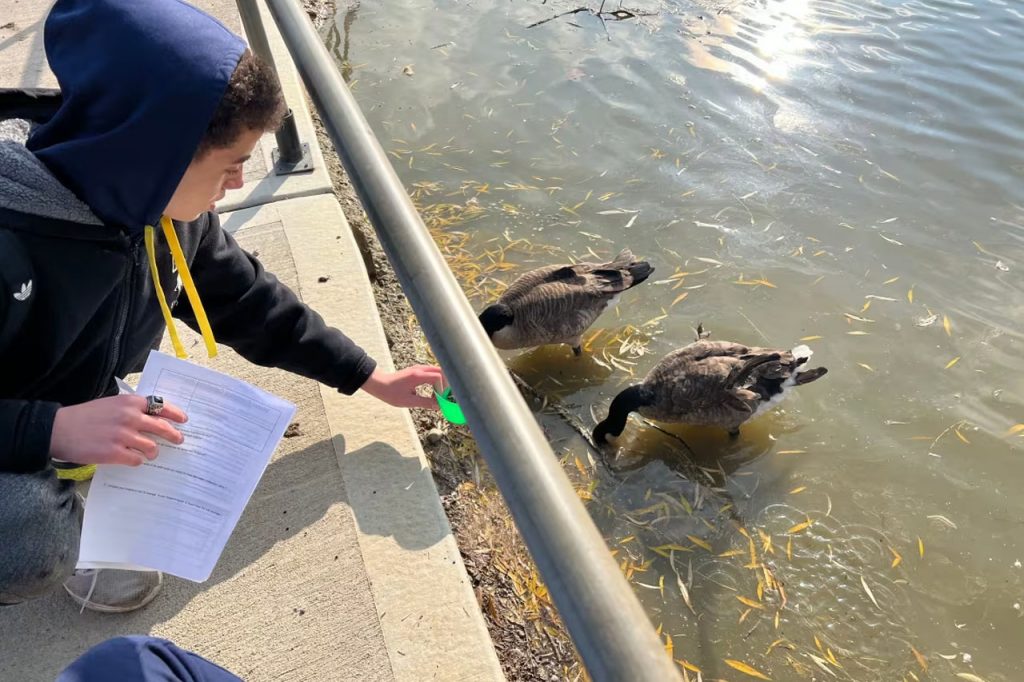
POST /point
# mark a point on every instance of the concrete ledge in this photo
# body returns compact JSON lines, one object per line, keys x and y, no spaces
{"x":428,"y":613}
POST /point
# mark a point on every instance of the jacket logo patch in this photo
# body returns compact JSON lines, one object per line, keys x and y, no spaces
{"x":26,"y":291}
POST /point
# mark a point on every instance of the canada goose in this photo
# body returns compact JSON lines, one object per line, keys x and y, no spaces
{"x":557,"y":303}
{"x":711,"y":383}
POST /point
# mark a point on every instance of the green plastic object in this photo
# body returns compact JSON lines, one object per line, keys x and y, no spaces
{"x":449,"y":408}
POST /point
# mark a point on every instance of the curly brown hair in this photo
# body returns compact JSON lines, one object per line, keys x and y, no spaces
{"x":252,"y":101}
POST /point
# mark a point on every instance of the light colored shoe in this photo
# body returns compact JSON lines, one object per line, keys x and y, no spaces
{"x":110,"y":590}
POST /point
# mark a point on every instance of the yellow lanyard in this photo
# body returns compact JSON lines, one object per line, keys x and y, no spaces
{"x":186,"y":280}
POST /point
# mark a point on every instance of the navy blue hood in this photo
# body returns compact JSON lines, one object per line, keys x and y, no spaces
{"x":140,"y":80}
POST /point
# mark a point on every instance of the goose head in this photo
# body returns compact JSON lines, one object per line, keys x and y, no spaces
{"x":629,"y":400}
{"x":496,"y":317}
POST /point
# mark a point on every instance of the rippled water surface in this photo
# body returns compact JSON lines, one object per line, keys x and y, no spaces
{"x":844,"y":172}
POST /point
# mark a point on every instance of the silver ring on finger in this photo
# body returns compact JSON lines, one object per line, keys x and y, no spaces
{"x":154,"y":405}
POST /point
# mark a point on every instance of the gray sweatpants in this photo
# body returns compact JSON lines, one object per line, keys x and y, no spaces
{"x":40,"y":524}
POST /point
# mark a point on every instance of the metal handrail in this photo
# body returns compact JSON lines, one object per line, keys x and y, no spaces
{"x":612,"y":634}
{"x":291,"y":155}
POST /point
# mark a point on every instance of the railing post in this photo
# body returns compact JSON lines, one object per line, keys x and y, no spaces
{"x":612,"y":633}
{"x":291,"y":155}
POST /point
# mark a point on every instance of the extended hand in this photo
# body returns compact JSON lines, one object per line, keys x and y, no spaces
{"x":399,"y":388}
{"x":114,"y":430}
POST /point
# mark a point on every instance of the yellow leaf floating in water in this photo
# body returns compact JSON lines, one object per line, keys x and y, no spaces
{"x":700,"y":543}
{"x":896,"y":557}
{"x":800,"y":527}
{"x":1015,"y":429}
{"x":812,"y":338}
{"x":890,"y":281}
{"x":921,"y":660}
{"x":952,"y":362}
{"x":791,"y":452}
{"x":743,"y":616}
{"x":858,"y":333}
{"x":800,"y":489}
{"x":789,"y":548}
{"x":749,"y":602}
{"x":766,"y":541}
{"x":867,"y":367}
{"x":670,"y":548}
{"x":920,"y":547}
{"x":731,"y":552}
{"x":689,"y":666}
{"x":746,"y":669}
{"x":679,"y":298}
{"x":910,"y":295}
{"x":947,"y":326}
{"x":970,"y":677}
{"x":961,"y":436}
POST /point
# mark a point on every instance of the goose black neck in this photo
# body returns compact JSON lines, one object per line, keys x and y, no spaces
{"x":629,"y":400}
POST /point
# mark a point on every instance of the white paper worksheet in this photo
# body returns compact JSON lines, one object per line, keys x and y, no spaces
{"x":176,"y":513}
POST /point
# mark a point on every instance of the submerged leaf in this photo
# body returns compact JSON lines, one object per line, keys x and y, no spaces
{"x":800,"y":527}
{"x":952,"y":362}
{"x":683,"y":591}
{"x":947,"y":326}
{"x":943,"y":520}
{"x":896,"y":557}
{"x":746,"y":669}
{"x":921,"y":660}
{"x":910,"y":295}
{"x":920,"y":547}
{"x":700,"y":543}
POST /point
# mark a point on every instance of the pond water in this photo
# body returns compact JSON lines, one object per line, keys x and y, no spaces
{"x":844,"y":173}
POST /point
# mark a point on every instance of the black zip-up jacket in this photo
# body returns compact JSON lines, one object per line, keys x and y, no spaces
{"x":78,"y":308}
